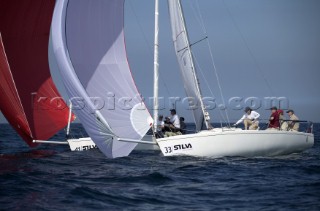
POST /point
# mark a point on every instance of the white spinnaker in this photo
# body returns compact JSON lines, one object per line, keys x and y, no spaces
{"x":88,"y":44}
{"x":185,"y":60}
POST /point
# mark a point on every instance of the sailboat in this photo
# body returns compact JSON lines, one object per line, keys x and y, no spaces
{"x":29,"y":99}
{"x":220,"y":142}
{"x":89,"y":48}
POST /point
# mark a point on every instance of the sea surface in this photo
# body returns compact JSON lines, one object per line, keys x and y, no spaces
{"x":51,"y":177}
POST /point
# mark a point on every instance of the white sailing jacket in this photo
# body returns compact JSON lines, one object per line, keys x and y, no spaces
{"x":175,"y":121}
{"x":253,"y":115}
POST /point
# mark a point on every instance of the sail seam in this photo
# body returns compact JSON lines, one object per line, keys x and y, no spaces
{"x":15,"y":87}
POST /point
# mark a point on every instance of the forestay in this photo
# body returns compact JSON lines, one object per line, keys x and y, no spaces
{"x":88,"y":44}
{"x":185,"y":60}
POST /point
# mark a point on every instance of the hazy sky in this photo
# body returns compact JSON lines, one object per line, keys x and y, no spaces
{"x":261,"y":48}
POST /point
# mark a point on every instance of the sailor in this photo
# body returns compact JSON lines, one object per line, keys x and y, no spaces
{"x":182,"y":126}
{"x":274,"y":122}
{"x":160,"y":127}
{"x":293,"y":125}
{"x":283,"y":123}
{"x":173,"y":126}
{"x":175,"y":120}
{"x":250,"y":119}
{"x":167,"y":124}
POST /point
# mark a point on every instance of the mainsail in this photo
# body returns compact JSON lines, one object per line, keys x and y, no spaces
{"x":185,"y":60}
{"x":89,"y":48}
{"x":29,"y":99}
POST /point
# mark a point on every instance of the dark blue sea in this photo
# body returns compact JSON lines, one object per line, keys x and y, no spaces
{"x":52,"y":177}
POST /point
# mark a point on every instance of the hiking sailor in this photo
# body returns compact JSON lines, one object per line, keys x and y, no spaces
{"x":250,"y":119}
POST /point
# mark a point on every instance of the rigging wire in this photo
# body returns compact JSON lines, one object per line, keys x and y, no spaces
{"x":207,"y":83}
{"x":247,"y":46}
{"x":202,"y":25}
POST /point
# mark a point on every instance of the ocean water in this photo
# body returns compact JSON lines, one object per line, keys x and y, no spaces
{"x":51,"y":177}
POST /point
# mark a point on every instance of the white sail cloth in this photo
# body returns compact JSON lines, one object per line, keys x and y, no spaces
{"x":185,"y":60}
{"x":89,"y":48}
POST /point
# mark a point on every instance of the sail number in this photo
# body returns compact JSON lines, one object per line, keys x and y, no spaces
{"x":177,"y":147}
{"x":84,"y":148}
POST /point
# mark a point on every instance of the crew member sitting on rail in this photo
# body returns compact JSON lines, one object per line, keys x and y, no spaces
{"x":294,"y":124}
{"x":283,"y":123}
{"x":274,"y":122}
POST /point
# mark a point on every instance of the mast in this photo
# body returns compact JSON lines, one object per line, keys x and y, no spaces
{"x":205,"y":113}
{"x":156,"y":65}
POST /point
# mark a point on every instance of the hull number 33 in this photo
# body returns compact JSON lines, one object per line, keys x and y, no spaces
{"x":177,"y":147}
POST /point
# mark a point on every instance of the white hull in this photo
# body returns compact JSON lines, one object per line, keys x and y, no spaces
{"x":83,"y":144}
{"x":236,"y":142}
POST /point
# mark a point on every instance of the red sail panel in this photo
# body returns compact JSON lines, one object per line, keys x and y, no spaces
{"x":25,"y":28}
{"x":10,"y":103}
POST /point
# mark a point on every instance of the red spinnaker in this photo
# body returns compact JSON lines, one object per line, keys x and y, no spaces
{"x":29,"y":99}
